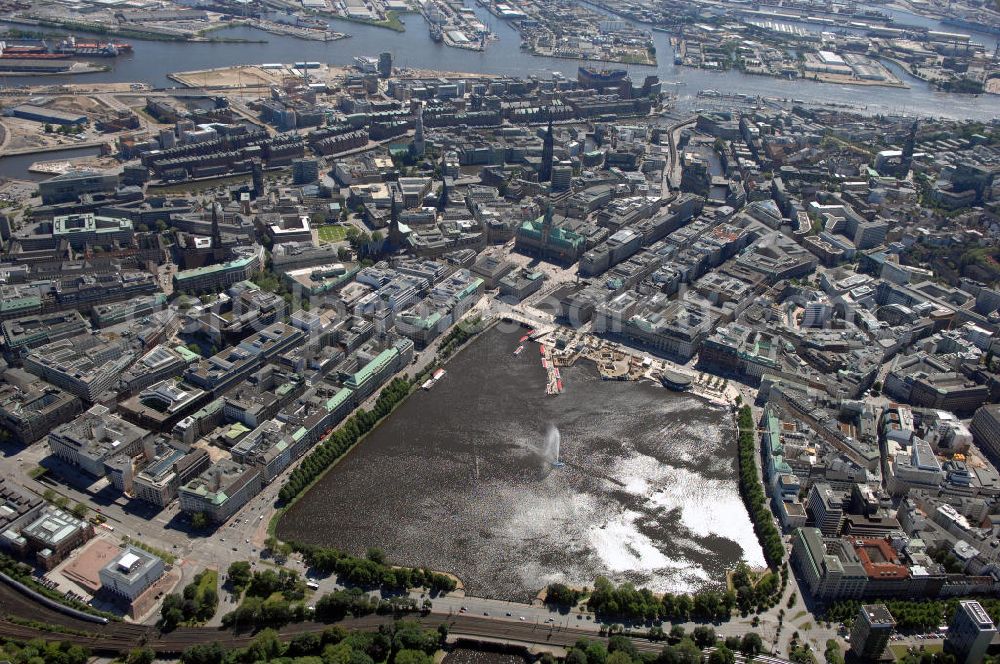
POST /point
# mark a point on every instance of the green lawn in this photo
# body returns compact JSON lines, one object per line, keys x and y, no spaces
{"x":899,"y":650}
{"x":332,"y":233}
{"x":208,"y":579}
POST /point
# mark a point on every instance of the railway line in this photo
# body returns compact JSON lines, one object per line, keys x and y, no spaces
{"x":115,"y":637}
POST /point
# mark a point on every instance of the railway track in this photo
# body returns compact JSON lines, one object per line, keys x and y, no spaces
{"x":115,"y":637}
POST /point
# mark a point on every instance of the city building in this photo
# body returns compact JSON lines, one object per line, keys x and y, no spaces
{"x":970,"y":633}
{"x":211,"y":278}
{"x":221,"y":490}
{"x":94,"y":437}
{"x":70,"y":186}
{"x":829,"y":567}
{"x":305,"y":171}
{"x":159,"y":481}
{"x":541,"y":238}
{"x":130,"y":573}
{"x":870,"y":633}
{"x":30,"y":408}
{"x":986,"y":429}
{"x":88,"y":366}
{"x":22,"y":334}
{"x":81,"y":230}
{"x":50,"y":536}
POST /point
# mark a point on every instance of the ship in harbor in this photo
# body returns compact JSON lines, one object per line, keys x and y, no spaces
{"x":109,"y":49}
{"x":22,"y":50}
{"x":7,"y":55}
{"x":435,"y":377}
{"x":67,"y":48}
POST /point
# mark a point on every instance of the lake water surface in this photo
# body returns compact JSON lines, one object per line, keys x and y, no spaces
{"x":455,"y":480}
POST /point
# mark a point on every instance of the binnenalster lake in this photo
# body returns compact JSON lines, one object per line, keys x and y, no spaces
{"x":453,"y":480}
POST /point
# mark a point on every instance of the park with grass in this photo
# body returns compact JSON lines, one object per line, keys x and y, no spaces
{"x":332,"y":233}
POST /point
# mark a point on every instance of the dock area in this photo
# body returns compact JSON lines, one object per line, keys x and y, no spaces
{"x":553,"y":382}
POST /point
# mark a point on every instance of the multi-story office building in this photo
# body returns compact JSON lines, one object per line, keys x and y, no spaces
{"x":214,"y":277}
{"x":986,"y":429}
{"x":374,"y":370}
{"x":70,"y":186}
{"x":970,"y":633}
{"x":22,"y":334}
{"x":32,"y":409}
{"x":85,"y":229}
{"x":87,"y":366}
{"x":521,"y":283}
{"x":829,"y":567}
{"x":95,"y":437}
{"x":105,"y":315}
{"x":826,"y":507}
{"x":221,"y":490}
{"x":131,"y":572}
{"x":871,"y":631}
{"x":160,"y":362}
{"x":50,"y":535}
{"x":159,"y":481}
{"x":222,"y":371}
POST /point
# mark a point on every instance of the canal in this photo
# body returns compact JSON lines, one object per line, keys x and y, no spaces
{"x":457,"y":480}
{"x":16,"y":166}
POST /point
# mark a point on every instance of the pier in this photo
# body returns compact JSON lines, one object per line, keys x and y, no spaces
{"x":553,"y":382}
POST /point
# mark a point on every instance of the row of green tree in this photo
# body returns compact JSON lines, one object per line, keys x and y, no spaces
{"x":681,"y":648}
{"x":273,"y":597}
{"x":753,"y":492}
{"x":559,"y":594}
{"x":355,"y":602}
{"x":39,"y":651}
{"x":920,"y":616}
{"x":757,"y":592}
{"x":626,"y":602}
{"x":372,"y":571}
{"x":196,"y":603}
{"x":341,"y":440}
{"x":405,"y":642}
{"x":267,"y":582}
{"x":256,"y":613}
{"x":459,"y":335}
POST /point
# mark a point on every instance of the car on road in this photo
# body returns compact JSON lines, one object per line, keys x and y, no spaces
{"x":486,"y":613}
{"x":508,"y":614}
{"x":521,"y":618}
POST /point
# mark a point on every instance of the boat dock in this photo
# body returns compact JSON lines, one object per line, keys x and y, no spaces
{"x":553,"y":382}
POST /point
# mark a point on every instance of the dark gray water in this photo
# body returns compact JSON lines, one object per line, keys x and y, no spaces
{"x":474,"y":656}
{"x":16,"y":166}
{"x":454,"y":480}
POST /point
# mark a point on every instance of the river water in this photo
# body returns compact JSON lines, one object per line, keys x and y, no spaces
{"x":152,"y":61}
{"x":16,"y":166}
{"x":455,"y":480}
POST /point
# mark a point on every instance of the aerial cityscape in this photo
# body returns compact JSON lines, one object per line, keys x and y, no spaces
{"x":499,"y":331}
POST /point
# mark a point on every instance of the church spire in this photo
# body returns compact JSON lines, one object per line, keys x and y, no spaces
{"x":906,"y":160}
{"x":395,"y":234}
{"x":418,"y":131}
{"x":545,"y":172}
